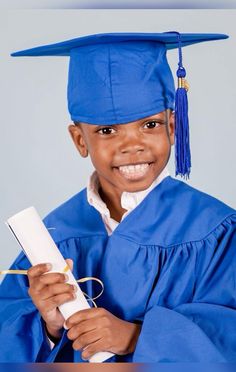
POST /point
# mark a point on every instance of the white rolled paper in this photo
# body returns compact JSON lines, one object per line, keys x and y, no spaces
{"x":39,"y":247}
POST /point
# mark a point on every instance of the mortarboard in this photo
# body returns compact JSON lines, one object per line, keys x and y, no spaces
{"x":117,"y":78}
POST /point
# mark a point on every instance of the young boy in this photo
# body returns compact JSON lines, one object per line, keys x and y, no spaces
{"x":164,"y":251}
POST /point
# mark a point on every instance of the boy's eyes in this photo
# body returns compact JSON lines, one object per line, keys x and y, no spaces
{"x":151,"y":124}
{"x":109,"y":130}
{"x":106,"y":130}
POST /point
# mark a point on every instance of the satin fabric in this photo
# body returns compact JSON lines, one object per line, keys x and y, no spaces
{"x":119,"y":77}
{"x":169,"y":265}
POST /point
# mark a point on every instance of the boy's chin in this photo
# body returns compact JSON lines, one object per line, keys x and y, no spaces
{"x":136,"y":186}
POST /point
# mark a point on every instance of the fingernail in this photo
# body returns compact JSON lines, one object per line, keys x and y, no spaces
{"x":66,"y":277}
{"x":64,"y":325}
{"x":48,"y":266}
{"x":75,"y":287}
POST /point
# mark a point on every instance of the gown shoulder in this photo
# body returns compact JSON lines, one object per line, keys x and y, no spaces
{"x":174,"y":213}
{"x":74,"y":218}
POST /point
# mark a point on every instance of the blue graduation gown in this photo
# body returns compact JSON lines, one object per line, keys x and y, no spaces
{"x":169,"y":265}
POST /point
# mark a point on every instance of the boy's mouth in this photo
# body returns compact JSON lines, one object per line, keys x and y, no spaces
{"x":134,"y":171}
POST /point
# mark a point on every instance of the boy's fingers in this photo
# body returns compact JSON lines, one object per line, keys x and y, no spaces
{"x":82,"y":328}
{"x":38,"y":280}
{"x":85,"y":314}
{"x":37,"y":284}
{"x":70,"y":263}
{"x":94,"y":348}
{"x":52,"y":278}
{"x":85,"y":339}
{"x":38,"y":270}
{"x":34,"y":274}
{"x":58,"y":300}
{"x":56,"y":289}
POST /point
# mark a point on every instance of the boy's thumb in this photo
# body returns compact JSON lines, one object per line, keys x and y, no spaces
{"x":69,"y":261}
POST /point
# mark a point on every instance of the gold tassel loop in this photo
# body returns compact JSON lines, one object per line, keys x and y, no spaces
{"x":182,"y":83}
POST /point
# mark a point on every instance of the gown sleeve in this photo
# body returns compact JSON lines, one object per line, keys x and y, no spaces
{"x":22,"y":334}
{"x":204,"y":329}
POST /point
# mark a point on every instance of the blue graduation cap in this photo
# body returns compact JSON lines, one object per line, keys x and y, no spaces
{"x":117,"y":78}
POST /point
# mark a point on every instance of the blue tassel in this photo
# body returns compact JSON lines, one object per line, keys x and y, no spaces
{"x":182,"y":144}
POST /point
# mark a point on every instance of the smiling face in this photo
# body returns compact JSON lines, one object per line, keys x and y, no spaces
{"x":127,"y":157}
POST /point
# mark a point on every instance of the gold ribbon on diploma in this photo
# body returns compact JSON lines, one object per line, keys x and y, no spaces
{"x":82,"y":280}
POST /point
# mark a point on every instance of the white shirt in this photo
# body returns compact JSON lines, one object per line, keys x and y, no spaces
{"x":129,"y":200}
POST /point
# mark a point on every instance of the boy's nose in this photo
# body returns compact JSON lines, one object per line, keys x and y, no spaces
{"x":132,"y":144}
{"x":132,"y":149}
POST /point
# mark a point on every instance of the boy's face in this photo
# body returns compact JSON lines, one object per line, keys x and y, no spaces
{"x":127,"y":157}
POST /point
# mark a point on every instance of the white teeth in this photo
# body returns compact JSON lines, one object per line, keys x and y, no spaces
{"x":133,"y":168}
{"x":136,"y":170}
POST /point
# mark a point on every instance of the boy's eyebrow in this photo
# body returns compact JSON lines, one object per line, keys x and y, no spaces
{"x":144,"y":120}
{"x":96,"y":126}
{"x":154,"y":118}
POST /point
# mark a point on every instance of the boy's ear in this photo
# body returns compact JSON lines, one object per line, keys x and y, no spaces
{"x":172,"y":127}
{"x":77,"y":136}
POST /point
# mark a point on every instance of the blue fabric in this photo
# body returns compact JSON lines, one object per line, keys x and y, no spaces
{"x":182,"y":144}
{"x":121,"y":77}
{"x":173,"y":271}
{"x":119,"y":83}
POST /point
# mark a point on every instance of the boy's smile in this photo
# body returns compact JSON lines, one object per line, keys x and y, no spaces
{"x":127,"y":157}
{"x":134,"y":171}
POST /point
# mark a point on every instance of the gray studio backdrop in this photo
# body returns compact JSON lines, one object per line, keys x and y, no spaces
{"x":39,"y":164}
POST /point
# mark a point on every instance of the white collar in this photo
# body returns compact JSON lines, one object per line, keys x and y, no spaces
{"x":129,"y":200}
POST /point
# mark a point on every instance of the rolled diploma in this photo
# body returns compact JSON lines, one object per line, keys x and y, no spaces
{"x":39,"y":247}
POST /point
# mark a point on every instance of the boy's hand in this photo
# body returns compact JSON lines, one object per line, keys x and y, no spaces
{"x":96,"y":329}
{"x":48,"y":292}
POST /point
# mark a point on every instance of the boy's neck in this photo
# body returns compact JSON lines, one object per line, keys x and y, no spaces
{"x":113,"y":203}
